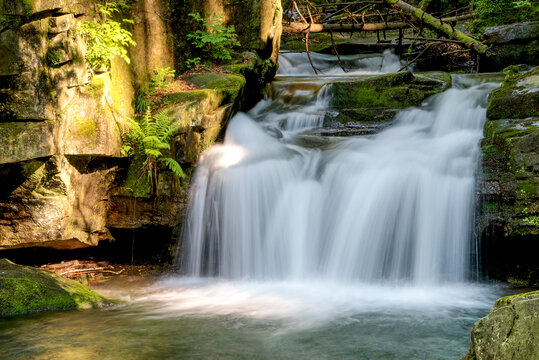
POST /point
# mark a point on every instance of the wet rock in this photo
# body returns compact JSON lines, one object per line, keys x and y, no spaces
{"x":376,"y":99}
{"x":510,"y":331}
{"x":509,"y":187}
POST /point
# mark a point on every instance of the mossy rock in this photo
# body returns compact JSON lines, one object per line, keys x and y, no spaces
{"x":511,"y":163}
{"x":25,"y":290}
{"x":510,"y":331}
{"x":230,"y":84}
{"x":518,"y":98}
{"x":372,"y":97}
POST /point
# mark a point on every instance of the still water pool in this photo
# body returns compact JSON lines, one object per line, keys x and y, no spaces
{"x":179,"y":318}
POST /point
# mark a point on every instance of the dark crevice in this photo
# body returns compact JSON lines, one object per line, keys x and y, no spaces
{"x":87,"y":164}
{"x":150,"y":246}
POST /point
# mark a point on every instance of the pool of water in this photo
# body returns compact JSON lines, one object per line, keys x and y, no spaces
{"x":182,"y":318}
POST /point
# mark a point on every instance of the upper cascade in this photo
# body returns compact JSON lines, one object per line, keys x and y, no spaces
{"x":393,"y":206}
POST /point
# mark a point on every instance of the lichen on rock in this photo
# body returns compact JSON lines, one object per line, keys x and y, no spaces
{"x":510,"y":331}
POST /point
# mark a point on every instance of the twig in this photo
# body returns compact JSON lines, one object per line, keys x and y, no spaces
{"x":415,"y":59}
{"x":308,"y":52}
{"x":336,"y":52}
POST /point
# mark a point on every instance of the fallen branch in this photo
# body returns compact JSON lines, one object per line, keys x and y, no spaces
{"x":433,"y":39}
{"x":298,"y":28}
{"x":435,"y":23}
{"x":92,"y":270}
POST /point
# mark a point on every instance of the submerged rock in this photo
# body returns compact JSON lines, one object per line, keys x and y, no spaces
{"x":24,"y":290}
{"x":510,"y":331}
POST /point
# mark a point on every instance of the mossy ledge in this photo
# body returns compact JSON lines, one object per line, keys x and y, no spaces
{"x":24,"y":290}
{"x":377,"y":99}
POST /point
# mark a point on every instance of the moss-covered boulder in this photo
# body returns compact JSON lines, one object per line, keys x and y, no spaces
{"x":510,"y":331}
{"x":377,"y":98}
{"x":25,"y":290}
{"x":518,"y":98}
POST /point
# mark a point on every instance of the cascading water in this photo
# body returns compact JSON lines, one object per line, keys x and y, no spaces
{"x":394,"y":206}
{"x":300,"y":247}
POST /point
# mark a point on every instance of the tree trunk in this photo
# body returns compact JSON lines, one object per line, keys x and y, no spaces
{"x":431,"y":21}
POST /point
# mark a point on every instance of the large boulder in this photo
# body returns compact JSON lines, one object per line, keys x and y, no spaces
{"x":58,"y":202}
{"x":376,"y":99}
{"x":511,"y":44}
{"x":24,"y":290}
{"x":510,"y":331}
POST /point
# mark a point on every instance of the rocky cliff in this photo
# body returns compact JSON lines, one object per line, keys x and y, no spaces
{"x":509,"y":222}
{"x":61,"y":124}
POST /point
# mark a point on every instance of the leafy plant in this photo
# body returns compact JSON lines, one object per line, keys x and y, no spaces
{"x":193,"y":63}
{"x":147,"y":141}
{"x":106,"y":38}
{"x":160,"y":80}
{"x":141,"y":102}
{"x":217,"y":40}
{"x":54,"y":57}
{"x":499,"y":12}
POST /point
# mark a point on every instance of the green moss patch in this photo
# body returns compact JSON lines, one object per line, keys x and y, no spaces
{"x":513,"y":299}
{"x":25,"y":290}
{"x":370,"y":97}
{"x":518,"y":97}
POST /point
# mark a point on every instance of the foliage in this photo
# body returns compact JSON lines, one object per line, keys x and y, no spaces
{"x":159,"y":82}
{"x":106,"y":38}
{"x":499,"y":12}
{"x":160,"y":79}
{"x":147,"y":141}
{"x":193,"y":63}
{"x":217,"y":40}
{"x":54,"y":57}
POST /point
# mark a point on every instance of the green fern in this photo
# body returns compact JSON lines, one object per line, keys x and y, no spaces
{"x":147,"y":141}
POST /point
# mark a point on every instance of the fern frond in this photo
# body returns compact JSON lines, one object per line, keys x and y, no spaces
{"x":173,"y":166}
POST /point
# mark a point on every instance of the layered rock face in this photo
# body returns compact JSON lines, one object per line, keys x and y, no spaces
{"x":510,"y":185}
{"x":55,"y":121}
{"x":61,"y":168}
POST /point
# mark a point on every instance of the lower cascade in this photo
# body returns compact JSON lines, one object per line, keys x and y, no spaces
{"x":394,"y":206}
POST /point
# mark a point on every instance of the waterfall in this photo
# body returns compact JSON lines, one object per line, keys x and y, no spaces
{"x":395,"y":206}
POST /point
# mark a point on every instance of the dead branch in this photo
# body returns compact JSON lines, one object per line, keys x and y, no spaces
{"x":298,"y":28}
{"x":436,"y":24}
